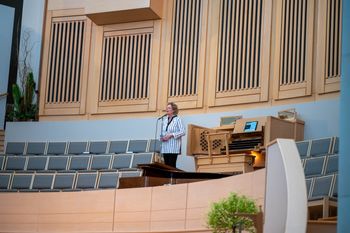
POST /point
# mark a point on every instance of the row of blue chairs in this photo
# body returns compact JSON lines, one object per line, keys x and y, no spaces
{"x":93,"y":147}
{"x":72,"y":181}
{"x":322,"y":186}
{"x":320,"y":166}
{"x":320,"y":160}
{"x":64,"y":163}
{"x":318,"y":147}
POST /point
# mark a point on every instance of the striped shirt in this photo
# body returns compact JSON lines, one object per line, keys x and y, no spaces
{"x":174,"y":127}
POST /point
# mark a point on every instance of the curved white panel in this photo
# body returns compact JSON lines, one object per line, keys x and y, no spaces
{"x":285,"y":197}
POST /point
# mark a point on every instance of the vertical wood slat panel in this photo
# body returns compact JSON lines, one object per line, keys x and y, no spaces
{"x":333,"y":39}
{"x":183,"y":75}
{"x":74,"y":58}
{"x":57,"y":64}
{"x":258,"y":43}
{"x":52,"y":58}
{"x":69,"y":63}
{"x":65,"y":61}
{"x":125,"y":66}
{"x":239,"y":45}
{"x":293,"y":42}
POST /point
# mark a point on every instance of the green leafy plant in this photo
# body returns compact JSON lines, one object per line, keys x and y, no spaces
{"x":224,"y":215}
{"x":24,"y":107}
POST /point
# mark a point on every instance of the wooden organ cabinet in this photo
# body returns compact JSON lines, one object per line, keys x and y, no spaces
{"x":240,"y":146}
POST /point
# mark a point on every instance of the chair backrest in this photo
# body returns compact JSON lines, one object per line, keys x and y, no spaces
{"x":121,"y":161}
{"x":142,"y":158}
{"x":322,"y":186}
{"x":335,"y":187}
{"x":77,"y":148}
{"x":15,"y":163}
{"x":15,"y":148}
{"x":56,"y":148}
{"x":2,"y":161}
{"x":118,"y":147}
{"x":100,"y":162}
{"x":43,"y":181}
{"x":37,"y":163}
{"x":98,"y":147}
{"x":57,"y":163}
{"x":314,"y":166}
{"x":336,"y":145}
{"x":154,"y":146}
{"x":86,"y":180}
{"x":36,"y":148}
{"x":137,"y":146}
{"x":64,"y":181}
{"x":320,"y":147}
{"x":5,"y":179}
{"x":308,"y":186}
{"x":303,"y":148}
{"x":22,"y":181}
{"x":108,"y":180}
{"x":332,"y":164}
{"x":80,"y":162}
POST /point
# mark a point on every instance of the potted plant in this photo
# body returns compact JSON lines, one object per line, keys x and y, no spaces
{"x":24,"y":107}
{"x":231,"y":214}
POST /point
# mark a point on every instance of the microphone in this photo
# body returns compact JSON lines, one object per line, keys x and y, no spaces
{"x":162,"y":116}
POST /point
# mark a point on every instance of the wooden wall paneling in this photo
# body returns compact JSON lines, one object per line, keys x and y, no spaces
{"x":265,"y":51}
{"x":202,"y":53}
{"x":214,"y":38}
{"x":293,"y":49}
{"x":165,"y":62}
{"x":85,"y":69}
{"x":329,"y":46}
{"x":65,"y":14}
{"x":45,"y":62}
{"x":129,"y":67}
{"x":187,"y":32}
{"x":65,"y":63}
{"x":277,"y":49}
{"x":309,"y":45}
{"x":155,"y":65}
{"x":241,"y":50}
{"x":95,"y":68}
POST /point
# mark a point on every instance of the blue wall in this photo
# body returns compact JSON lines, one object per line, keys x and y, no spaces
{"x":7,"y":15}
{"x":320,"y":121}
{"x":344,"y":159}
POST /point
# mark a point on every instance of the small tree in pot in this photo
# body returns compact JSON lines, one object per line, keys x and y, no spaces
{"x":224,"y":215}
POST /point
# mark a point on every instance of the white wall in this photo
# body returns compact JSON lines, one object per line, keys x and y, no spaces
{"x":321,"y":120}
{"x":7,"y":15}
{"x":32,"y":22}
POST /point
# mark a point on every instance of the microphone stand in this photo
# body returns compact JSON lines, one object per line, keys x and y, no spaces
{"x":156,"y":133}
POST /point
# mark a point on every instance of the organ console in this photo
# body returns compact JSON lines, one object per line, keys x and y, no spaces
{"x":239,"y":146}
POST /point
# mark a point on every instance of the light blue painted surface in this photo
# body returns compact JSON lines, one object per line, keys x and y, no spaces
{"x":344,"y":159}
{"x":32,"y":22}
{"x":7,"y":15}
{"x":320,"y":118}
